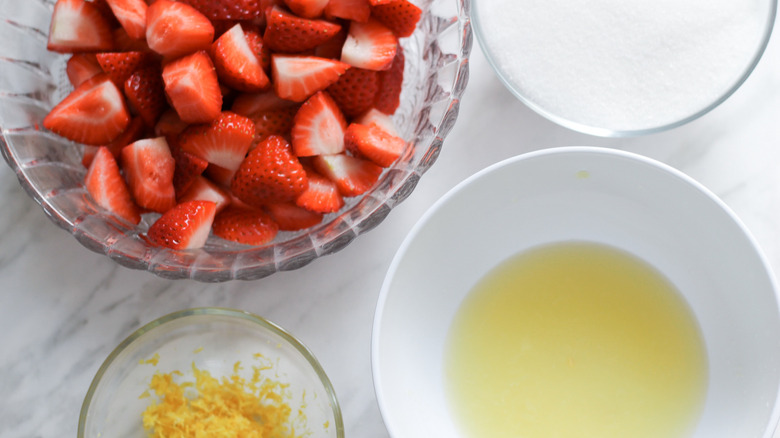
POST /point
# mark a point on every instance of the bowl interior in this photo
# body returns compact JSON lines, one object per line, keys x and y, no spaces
{"x":591,"y":194}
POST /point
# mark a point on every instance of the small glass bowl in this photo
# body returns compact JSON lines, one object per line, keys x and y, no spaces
{"x":213,"y":340}
{"x":49,"y":168}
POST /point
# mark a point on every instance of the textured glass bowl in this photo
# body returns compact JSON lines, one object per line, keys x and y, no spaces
{"x":213,"y":340}
{"x":33,"y":80}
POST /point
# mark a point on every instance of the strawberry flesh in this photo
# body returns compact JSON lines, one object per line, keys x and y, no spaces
{"x":174,"y":29}
{"x":223,"y":142}
{"x":78,"y":26}
{"x":82,"y":66}
{"x":245,"y":225}
{"x":290,"y":217}
{"x":370,"y":45}
{"x":236,"y":63}
{"x":298,"y":77}
{"x":318,"y":127}
{"x":131,"y":14}
{"x":185,"y":226}
{"x":149,"y":167}
{"x":353,"y":176}
{"x":192,"y":87}
{"x":107,"y":187}
{"x":374,"y":143}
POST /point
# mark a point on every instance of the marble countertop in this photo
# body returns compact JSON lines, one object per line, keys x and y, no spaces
{"x":64,"y":308}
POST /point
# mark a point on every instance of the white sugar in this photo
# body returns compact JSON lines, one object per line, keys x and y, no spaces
{"x":623,"y":65}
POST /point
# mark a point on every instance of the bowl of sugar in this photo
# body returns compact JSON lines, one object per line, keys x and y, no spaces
{"x":616,"y":68}
{"x":578,"y":292}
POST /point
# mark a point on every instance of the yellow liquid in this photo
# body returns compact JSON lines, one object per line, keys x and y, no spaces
{"x":575,"y":340}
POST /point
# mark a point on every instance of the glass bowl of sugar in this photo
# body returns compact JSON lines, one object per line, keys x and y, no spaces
{"x":615,"y":68}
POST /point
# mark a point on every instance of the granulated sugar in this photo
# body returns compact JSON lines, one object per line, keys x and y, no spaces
{"x":622,"y":65}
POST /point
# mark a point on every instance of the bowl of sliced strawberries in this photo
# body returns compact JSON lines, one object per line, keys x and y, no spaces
{"x":227,"y":139}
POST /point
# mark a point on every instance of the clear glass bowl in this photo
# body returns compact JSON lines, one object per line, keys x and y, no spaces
{"x":49,"y":168}
{"x":213,"y":340}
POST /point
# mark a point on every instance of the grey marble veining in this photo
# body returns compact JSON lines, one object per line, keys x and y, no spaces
{"x":63,"y":308}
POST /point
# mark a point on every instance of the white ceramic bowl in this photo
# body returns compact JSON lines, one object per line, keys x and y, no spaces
{"x":593,"y":194}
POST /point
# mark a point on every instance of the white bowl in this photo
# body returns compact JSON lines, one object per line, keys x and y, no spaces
{"x":593,"y":194}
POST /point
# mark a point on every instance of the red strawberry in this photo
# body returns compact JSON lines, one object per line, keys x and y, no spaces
{"x":285,"y":32}
{"x":202,"y":189}
{"x":145,"y":93}
{"x":322,"y":195}
{"x":135,"y":130}
{"x":307,"y":8}
{"x":174,"y":29}
{"x":355,"y":91}
{"x":298,"y":77}
{"x":120,"y":65}
{"x":237,"y":64}
{"x":252,"y":103}
{"x":381,"y":119}
{"x":169,"y":124}
{"x":255,"y":42}
{"x":353,"y":176}
{"x":227,"y":9}
{"x":222,"y":26}
{"x":401,"y":16}
{"x":78,"y":26}
{"x":245,"y":225}
{"x":220,"y":175}
{"x":374,"y":143}
{"x":290,"y":217}
{"x":124,"y":43}
{"x":388,"y":98}
{"x":370,"y":45}
{"x":223,"y":142}
{"x":332,"y":48}
{"x":82,"y":66}
{"x":355,"y":10}
{"x":131,"y":14}
{"x":149,"y":167}
{"x":269,"y":174}
{"x":318,"y":127}
{"x":188,"y":168}
{"x":192,"y":87}
{"x":94,"y":113}
{"x":185,"y":226}
{"x":274,"y":122}
{"x":108,"y":188}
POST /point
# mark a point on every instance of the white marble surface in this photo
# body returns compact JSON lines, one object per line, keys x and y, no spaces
{"x":64,"y":308}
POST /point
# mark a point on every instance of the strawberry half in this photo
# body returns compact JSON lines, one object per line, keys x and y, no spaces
{"x":237,"y":65}
{"x":355,"y":10}
{"x":401,"y":16}
{"x":174,"y":29}
{"x":131,"y":14}
{"x":108,"y":188}
{"x":318,"y":127}
{"x":269,"y":174}
{"x":251,"y":103}
{"x":227,"y":9}
{"x":290,"y":217}
{"x":82,"y":66}
{"x":245,"y":225}
{"x":202,"y":189}
{"x":370,"y":45}
{"x":223,"y":142}
{"x":353,"y":176}
{"x":274,"y":122}
{"x":286,"y":32}
{"x":145,"y":93}
{"x":149,"y":167}
{"x":188,"y":168}
{"x":322,"y":195}
{"x":120,"y":65}
{"x":94,"y":113}
{"x":374,"y":143}
{"x":298,"y":77}
{"x":185,"y":226}
{"x":307,"y":8}
{"x":381,"y":119}
{"x":391,"y":81}
{"x":192,"y":87}
{"x":355,"y":91}
{"x":78,"y":26}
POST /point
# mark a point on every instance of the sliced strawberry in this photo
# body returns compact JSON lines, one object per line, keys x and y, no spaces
{"x":355,"y":10}
{"x":370,"y":45}
{"x":307,"y":8}
{"x":185,"y":226}
{"x":78,"y":26}
{"x":270,"y":173}
{"x":318,"y":127}
{"x":202,"y":189}
{"x":145,"y":93}
{"x":374,"y":143}
{"x":355,"y":91}
{"x":274,"y":122}
{"x":285,"y":32}
{"x":245,"y":225}
{"x":290,"y":217}
{"x":332,"y":48}
{"x":108,"y":188}
{"x":120,"y":65}
{"x":298,"y":77}
{"x":82,"y":66}
{"x":124,"y":43}
{"x":255,"y":42}
{"x":249,"y":104}
{"x":222,"y":26}
{"x":188,"y":168}
{"x":192,"y":87}
{"x":379,"y":118}
{"x":174,"y":29}
{"x":353,"y":176}
{"x":236,"y":63}
{"x":223,"y":142}
{"x":169,"y":124}
{"x":401,"y":16}
{"x":322,"y":195}
{"x":131,"y":14}
{"x":149,"y":167}
{"x":391,"y":81}
{"x":227,"y":9}
{"x":105,"y":9}
{"x":220,"y":175}
{"x":94,"y":113}
{"x":135,"y":131}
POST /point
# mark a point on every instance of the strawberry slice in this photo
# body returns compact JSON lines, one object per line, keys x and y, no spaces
{"x":248,"y":226}
{"x":145,"y":93}
{"x":355,"y":91}
{"x":248,"y":104}
{"x":120,"y":65}
{"x":82,"y":66}
{"x":255,"y":42}
{"x":192,"y":87}
{"x":269,"y":174}
{"x":185,"y":226}
{"x":355,"y":10}
{"x":381,"y":119}
{"x":332,"y":48}
{"x":401,"y":16}
{"x":370,"y":45}
{"x":290,"y":217}
{"x":94,"y":113}
{"x":169,"y":125}
{"x":108,"y":188}
{"x":322,"y":195}
{"x":374,"y":143}
{"x":307,"y":8}
{"x":124,"y":43}
{"x":391,"y":81}
{"x":318,"y":127}
{"x":274,"y":122}
{"x":285,"y":32}
{"x":78,"y":26}
{"x":135,"y":130}
{"x":352,"y":175}
{"x":237,"y":65}
{"x":149,"y":167}
{"x":188,"y":168}
{"x":174,"y":29}
{"x":202,"y":189}
{"x":228,"y":9}
{"x":298,"y":77}
{"x":223,"y":142}
{"x":131,"y":14}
